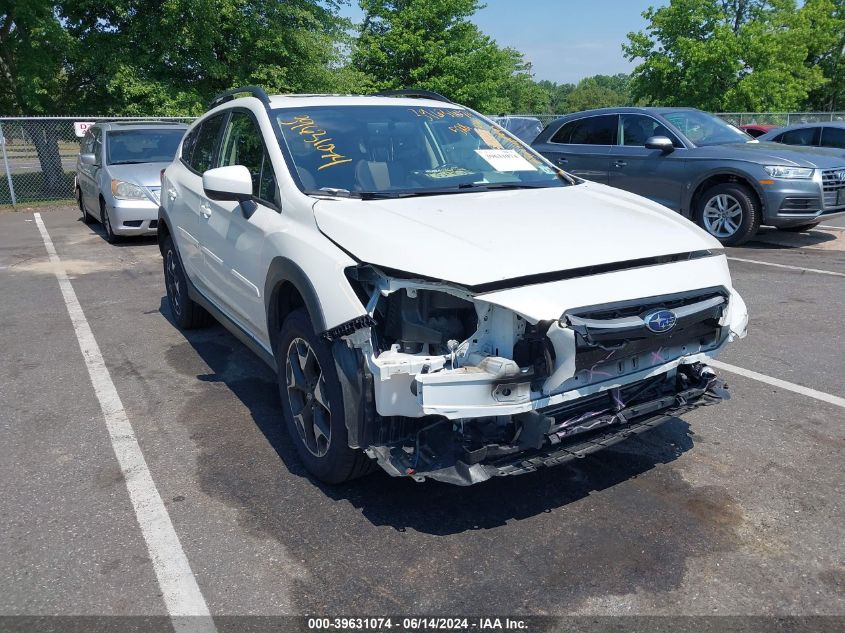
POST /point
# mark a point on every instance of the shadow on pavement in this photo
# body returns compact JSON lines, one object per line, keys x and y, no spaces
{"x":431,"y":507}
{"x":768,"y":239}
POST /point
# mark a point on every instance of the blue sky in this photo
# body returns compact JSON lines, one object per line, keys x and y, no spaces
{"x":565,"y":40}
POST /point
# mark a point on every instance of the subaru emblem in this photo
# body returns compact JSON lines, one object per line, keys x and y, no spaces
{"x":660,"y":321}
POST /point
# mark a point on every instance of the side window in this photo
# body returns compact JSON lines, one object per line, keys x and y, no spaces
{"x":188,"y":145}
{"x":202,"y":154}
{"x":803,"y":136}
{"x":833,"y":137}
{"x":243,"y":145}
{"x":636,"y":129}
{"x":97,"y":146}
{"x":564,"y":133}
{"x":87,"y":145}
{"x":594,"y":130}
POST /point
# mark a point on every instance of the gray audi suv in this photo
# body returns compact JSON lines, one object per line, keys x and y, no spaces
{"x":695,"y":163}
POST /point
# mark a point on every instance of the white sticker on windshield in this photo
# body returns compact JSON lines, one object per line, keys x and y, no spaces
{"x":505,"y":160}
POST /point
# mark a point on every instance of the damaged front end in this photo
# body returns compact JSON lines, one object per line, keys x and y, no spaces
{"x":456,"y":388}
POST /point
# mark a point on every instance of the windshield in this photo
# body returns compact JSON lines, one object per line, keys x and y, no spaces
{"x":125,"y":147}
{"x":400,"y":150}
{"x":704,"y":129}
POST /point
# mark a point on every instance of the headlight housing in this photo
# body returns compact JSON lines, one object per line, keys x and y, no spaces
{"x":123,"y":190}
{"x":789,"y":173}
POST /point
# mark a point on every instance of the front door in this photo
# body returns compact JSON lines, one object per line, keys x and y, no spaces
{"x":650,"y":173}
{"x":232,"y":236}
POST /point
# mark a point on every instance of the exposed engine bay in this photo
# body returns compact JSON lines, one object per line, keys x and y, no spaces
{"x":457,"y":388}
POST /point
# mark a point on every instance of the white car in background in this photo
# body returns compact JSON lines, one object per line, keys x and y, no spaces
{"x":434,"y":295}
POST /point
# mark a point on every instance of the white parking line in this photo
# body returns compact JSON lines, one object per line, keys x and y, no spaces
{"x":806,"y":270}
{"x":181,"y":593}
{"x":830,"y":226}
{"x":777,"y":382}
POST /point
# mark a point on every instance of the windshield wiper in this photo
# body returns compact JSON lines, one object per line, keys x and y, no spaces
{"x":133,"y":162}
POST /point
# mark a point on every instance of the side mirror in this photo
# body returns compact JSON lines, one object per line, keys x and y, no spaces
{"x":230,"y":183}
{"x":663,"y":143}
{"x":88,"y":159}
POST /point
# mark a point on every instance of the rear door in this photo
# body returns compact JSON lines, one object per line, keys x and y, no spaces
{"x":231,"y":241}
{"x":582,"y":146}
{"x":185,"y":200}
{"x":648,"y":172}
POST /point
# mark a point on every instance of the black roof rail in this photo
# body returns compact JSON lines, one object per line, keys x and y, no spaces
{"x":255,"y":91}
{"x":413,"y":93}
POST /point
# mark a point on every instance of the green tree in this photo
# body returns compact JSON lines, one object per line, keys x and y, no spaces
{"x":171,"y":57}
{"x":558,"y":93}
{"x":34,"y":56}
{"x":746,"y":55}
{"x":432,"y":44}
{"x":828,"y":52}
{"x":599,"y":91}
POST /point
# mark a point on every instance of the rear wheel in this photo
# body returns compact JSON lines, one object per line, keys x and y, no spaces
{"x":730,"y":212}
{"x":801,"y":227}
{"x":313,"y":405}
{"x":187,"y":313}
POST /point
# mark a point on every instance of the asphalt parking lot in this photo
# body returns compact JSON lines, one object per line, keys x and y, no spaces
{"x":737,"y":509}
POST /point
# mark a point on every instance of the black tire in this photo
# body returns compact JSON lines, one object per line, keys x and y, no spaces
{"x":186,"y":312}
{"x":111,"y":238}
{"x":800,"y":228}
{"x":315,"y":416}
{"x":86,"y":219}
{"x":741,"y":210}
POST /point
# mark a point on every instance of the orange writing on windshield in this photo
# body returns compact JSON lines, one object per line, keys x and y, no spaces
{"x":304,"y":125}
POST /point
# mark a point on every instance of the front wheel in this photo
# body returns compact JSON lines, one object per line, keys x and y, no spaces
{"x":105,"y":220}
{"x":86,"y":219}
{"x":313,"y":405}
{"x":730,"y":212}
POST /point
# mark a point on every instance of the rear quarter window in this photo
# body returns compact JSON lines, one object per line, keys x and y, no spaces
{"x":596,"y":130}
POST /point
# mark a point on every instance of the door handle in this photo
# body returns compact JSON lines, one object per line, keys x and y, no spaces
{"x":205,"y":210}
{"x":620,"y":163}
{"x":561,"y":160}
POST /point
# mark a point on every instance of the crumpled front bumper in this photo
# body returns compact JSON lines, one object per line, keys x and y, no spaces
{"x":556,"y":443}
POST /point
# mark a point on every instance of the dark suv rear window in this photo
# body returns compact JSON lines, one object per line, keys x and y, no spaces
{"x":594,"y":130}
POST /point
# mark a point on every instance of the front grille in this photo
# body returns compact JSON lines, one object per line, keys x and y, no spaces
{"x":617,"y":334}
{"x":799,"y":205}
{"x":833,"y":181}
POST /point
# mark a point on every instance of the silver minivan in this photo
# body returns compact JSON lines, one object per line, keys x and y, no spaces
{"x":118,"y":174}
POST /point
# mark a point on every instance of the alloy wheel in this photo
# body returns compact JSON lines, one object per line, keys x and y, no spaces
{"x":722,"y":215}
{"x":308,"y":396}
{"x":173,"y":286}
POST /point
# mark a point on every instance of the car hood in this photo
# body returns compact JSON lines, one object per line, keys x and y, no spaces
{"x":145,"y":174}
{"x":767,"y":153}
{"x":485,"y":237}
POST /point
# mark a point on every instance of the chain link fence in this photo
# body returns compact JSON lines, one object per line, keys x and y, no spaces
{"x":779,"y":119}
{"x":39,"y":155}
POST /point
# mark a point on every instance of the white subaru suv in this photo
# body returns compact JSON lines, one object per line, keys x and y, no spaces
{"x":436,"y":297}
